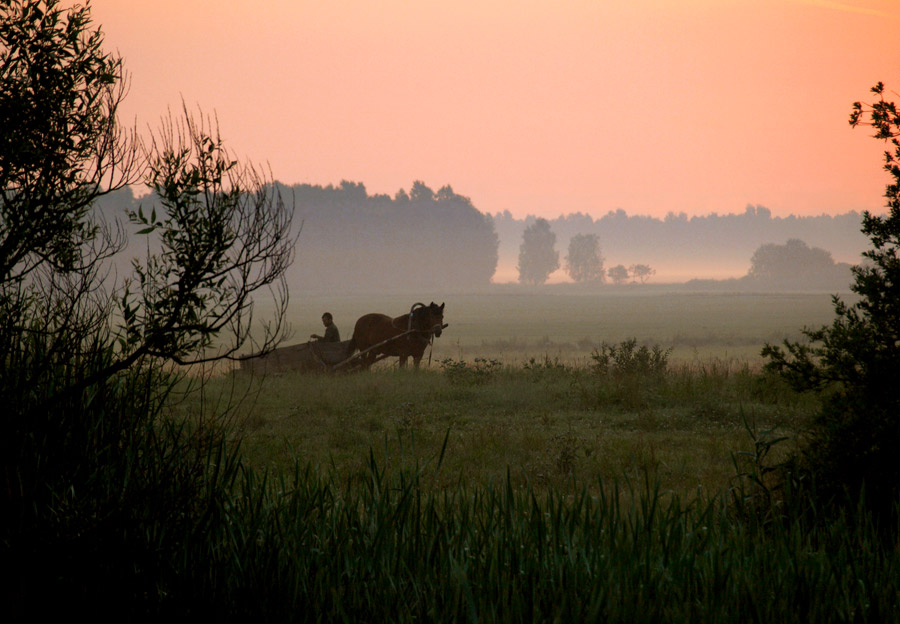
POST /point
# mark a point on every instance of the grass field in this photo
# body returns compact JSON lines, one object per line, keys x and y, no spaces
{"x":534,"y":482}
{"x":516,"y":327}
{"x":544,"y":426}
{"x":520,"y":478}
{"x":510,"y":388}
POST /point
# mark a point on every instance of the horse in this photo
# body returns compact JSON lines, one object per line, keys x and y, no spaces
{"x":420,"y":325}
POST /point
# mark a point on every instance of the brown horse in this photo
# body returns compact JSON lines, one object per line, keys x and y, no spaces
{"x":372,"y":329}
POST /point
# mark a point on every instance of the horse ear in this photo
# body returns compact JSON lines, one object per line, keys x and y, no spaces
{"x":442,"y":307}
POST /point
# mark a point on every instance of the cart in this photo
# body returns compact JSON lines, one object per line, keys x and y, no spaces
{"x":318,"y":356}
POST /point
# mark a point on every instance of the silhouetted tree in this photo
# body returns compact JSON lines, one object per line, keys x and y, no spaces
{"x":713,"y":240}
{"x":221,"y":232}
{"x":856,"y":360}
{"x":584,"y":262}
{"x":641,"y":272}
{"x":538,"y":257}
{"x":794,"y":265}
{"x":421,"y":192}
{"x":94,"y":467}
{"x":790,"y":261}
{"x":618,"y":274}
{"x":61,"y":146}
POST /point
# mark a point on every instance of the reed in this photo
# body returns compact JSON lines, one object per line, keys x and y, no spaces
{"x":138,"y":500}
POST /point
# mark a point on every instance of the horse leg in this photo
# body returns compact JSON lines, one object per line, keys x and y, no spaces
{"x":416,"y":360}
{"x":402,"y":361}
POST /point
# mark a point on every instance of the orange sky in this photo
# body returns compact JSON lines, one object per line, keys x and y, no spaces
{"x":534,"y":107}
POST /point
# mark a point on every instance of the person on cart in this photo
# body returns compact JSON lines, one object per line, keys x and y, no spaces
{"x":331,"y":331}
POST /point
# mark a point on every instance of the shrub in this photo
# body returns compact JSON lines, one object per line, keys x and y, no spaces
{"x":463,"y":373}
{"x":629,"y":374}
{"x":854,"y":363}
{"x":627,"y":359}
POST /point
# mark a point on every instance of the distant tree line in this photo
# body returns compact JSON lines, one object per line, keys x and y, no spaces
{"x":584,"y":264}
{"x":791,"y":266}
{"x":355,"y":242}
{"x":697,"y":244}
{"x":420,"y":239}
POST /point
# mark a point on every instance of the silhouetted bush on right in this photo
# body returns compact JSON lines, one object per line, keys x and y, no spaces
{"x":851,"y":452}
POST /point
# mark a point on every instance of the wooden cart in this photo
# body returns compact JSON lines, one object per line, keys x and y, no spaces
{"x":317,"y":356}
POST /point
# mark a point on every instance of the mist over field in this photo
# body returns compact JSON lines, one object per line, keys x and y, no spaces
{"x":514,"y":328}
{"x":438,"y":241}
{"x":682,"y":248}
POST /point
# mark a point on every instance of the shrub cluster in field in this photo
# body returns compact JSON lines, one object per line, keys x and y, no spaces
{"x":634,"y":377}
{"x":479,"y":372}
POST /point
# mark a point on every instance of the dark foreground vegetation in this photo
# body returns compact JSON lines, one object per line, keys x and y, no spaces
{"x":116,"y":503}
{"x":130,"y":509}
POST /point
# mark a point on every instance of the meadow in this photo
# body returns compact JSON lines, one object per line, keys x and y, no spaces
{"x":544,"y":425}
{"x":515,"y":326}
{"x":513,"y":388}
{"x":519,"y":477}
{"x":545,"y":466}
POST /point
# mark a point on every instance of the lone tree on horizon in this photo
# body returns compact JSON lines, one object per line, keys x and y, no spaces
{"x":641,"y":272}
{"x":618,"y":274}
{"x":793,"y":261}
{"x":538,"y":257}
{"x":584,"y":262}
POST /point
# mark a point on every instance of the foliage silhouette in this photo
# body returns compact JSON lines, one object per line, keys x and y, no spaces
{"x":794,"y":264}
{"x":105,"y":496}
{"x":618,"y":274}
{"x":641,"y":272}
{"x":855,"y":362}
{"x":61,"y":146}
{"x":584,"y":262}
{"x":358,"y":242}
{"x":538,"y":257}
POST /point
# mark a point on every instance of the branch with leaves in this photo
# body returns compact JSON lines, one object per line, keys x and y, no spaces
{"x":224,"y":233}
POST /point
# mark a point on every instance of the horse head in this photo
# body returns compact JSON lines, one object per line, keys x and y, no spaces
{"x":436,"y":318}
{"x":427,"y":318}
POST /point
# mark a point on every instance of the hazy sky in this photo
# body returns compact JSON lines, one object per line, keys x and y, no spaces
{"x":534,"y":107}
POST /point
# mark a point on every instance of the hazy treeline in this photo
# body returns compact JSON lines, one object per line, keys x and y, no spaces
{"x":418,"y":239}
{"x":691,"y":247}
{"x":423,"y":239}
{"x":352,"y":241}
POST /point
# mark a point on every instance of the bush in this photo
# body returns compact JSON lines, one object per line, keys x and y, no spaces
{"x":104,"y":493}
{"x":627,"y":359}
{"x":463,"y":373}
{"x":104,"y":499}
{"x":854,"y":363}
{"x":629,"y":374}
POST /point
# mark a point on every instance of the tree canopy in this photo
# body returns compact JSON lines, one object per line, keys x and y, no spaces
{"x":99,"y":487}
{"x":538,"y":257}
{"x":419,"y":240}
{"x":855,"y":361}
{"x":618,"y":274}
{"x":584,"y":262}
{"x":641,"y":272}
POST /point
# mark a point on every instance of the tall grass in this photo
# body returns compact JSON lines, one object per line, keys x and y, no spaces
{"x":309,"y":549}
{"x":129,"y":503}
{"x":103,"y":489}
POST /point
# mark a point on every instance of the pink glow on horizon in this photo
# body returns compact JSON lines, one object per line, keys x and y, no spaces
{"x":545,"y":108}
